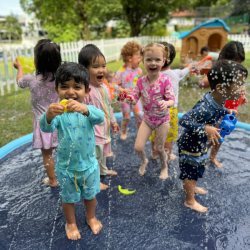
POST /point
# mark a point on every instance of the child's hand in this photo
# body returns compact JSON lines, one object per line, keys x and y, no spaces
{"x":128,"y":91}
{"x":54,"y":110}
{"x":244,"y":101}
{"x":130,"y":99}
{"x":75,"y":106}
{"x":213,"y":134}
{"x":17,"y":63}
{"x":233,"y":110}
{"x":115,"y":128}
{"x":164,"y":105}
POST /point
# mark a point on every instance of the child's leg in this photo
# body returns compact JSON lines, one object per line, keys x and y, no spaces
{"x":161,"y":133}
{"x":154,"y":153}
{"x":214,"y":152}
{"x":125,"y":107}
{"x":138,"y":114}
{"x":94,"y":224}
{"x":168,"y":148}
{"x":71,"y":227}
{"x":49,"y":167}
{"x":142,"y":137}
{"x":189,"y":188}
{"x":103,"y":167}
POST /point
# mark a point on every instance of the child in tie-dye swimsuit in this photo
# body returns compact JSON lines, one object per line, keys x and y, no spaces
{"x":125,"y":79}
{"x":157,"y":96}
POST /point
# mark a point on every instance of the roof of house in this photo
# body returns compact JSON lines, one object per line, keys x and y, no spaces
{"x":213,"y":23}
{"x":185,"y":13}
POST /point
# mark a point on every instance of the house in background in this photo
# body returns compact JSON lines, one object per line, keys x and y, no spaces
{"x":180,"y":18}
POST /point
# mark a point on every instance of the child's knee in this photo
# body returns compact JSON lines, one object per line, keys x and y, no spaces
{"x":160,"y":150}
{"x":138,"y":148}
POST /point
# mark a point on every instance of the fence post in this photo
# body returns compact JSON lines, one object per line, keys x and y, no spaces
{"x":5,"y":59}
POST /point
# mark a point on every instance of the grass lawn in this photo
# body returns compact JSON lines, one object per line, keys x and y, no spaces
{"x":16,"y":115}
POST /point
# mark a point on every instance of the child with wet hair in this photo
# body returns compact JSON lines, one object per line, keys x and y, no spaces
{"x":226,"y":80}
{"x":157,"y":95}
{"x":234,"y":51}
{"x":125,"y":79}
{"x":47,"y":59}
{"x":77,"y":168}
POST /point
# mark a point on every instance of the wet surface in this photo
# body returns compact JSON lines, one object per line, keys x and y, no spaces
{"x":154,"y":217}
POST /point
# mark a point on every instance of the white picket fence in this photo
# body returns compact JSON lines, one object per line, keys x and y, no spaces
{"x":111,"y":48}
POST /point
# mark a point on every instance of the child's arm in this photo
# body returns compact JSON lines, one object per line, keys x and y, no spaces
{"x":168,"y":96}
{"x":96,"y":116}
{"x":181,"y":73}
{"x":19,"y":68}
{"x":46,"y":124}
{"x":213,"y":134}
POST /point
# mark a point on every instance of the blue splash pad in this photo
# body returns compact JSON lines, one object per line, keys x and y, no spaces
{"x":154,"y":217}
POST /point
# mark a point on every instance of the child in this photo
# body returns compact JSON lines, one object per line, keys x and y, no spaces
{"x":234,"y":51}
{"x":110,"y":75}
{"x":124,"y":80}
{"x":92,"y":58}
{"x":204,"y":51}
{"x":175,"y":76}
{"x":108,"y":82}
{"x":157,"y":96}
{"x":226,"y":79}
{"x":42,"y":87}
{"x":77,"y":167}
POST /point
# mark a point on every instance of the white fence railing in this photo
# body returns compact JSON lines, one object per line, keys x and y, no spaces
{"x":110,"y":48}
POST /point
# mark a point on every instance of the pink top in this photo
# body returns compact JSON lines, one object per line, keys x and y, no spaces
{"x":42,"y":93}
{"x":99,"y":96}
{"x":152,"y":94}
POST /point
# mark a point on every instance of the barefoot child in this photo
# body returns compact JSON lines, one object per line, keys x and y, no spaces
{"x":234,"y":51}
{"x":124,"y":80}
{"x":92,"y":58}
{"x":157,"y":96}
{"x":42,"y":87}
{"x":77,"y":168}
{"x":175,"y":76}
{"x":226,"y":79}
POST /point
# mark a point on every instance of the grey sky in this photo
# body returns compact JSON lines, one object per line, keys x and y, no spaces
{"x":10,"y":6}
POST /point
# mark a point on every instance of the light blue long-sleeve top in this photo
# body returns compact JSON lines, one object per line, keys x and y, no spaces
{"x":76,"y":138}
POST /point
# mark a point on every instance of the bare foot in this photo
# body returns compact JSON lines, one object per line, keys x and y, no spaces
{"x":72,"y":231}
{"x":142,"y":168}
{"x":110,"y":154}
{"x":216,"y":163}
{"x":200,"y":190}
{"x":123,"y":136}
{"x":196,"y":206}
{"x":95,"y":225}
{"x":172,"y":157}
{"x":164,"y":173}
{"x":103,"y":186}
{"x":154,"y":156}
{"x":49,"y":182}
{"x":111,"y":172}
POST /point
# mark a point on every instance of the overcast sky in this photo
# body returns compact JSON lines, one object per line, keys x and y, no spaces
{"x":10,"y":6}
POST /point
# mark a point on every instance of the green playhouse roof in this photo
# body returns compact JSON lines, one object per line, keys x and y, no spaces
{"x":213,"y":23}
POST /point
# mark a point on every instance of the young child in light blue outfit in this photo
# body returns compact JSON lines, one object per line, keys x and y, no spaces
{"x":77,"y":168}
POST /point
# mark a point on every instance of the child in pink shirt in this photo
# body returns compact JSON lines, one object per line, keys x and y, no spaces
{"x":157,"y":96}
{"x":92,"y":58}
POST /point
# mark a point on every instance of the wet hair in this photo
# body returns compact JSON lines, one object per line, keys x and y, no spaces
{"x":47,"y":58}
{"x":88,"y":55}
{"x":225,"y":72}
{"x":172,"y":54}
{"x":205,"y":48}
{"x":154,"y":46}
{"x":71,"y":70}
{"x":233,"y":50}
{"x":129,"y":49}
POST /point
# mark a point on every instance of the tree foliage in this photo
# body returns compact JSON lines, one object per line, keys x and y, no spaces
{"x":12,"y":27}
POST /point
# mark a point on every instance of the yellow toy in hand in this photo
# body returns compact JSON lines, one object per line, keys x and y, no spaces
{"x":125,"y":191}
{"x":63,"y":102}
{"x":27,"y":64}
